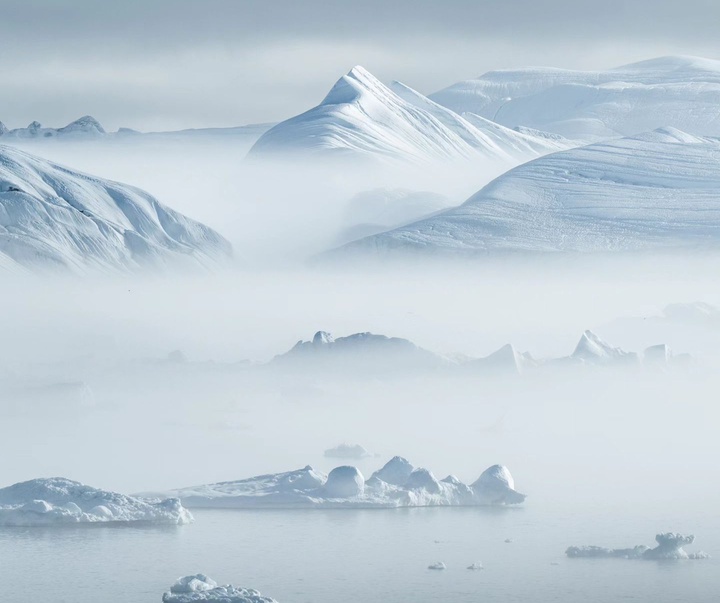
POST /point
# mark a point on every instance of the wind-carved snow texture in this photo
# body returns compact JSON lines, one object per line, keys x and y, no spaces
{"x":54,"y":218}
{"x":669,"y":546}
{"x":53,"y":501}
{"x":397,"y":484}
{"x":362,"y":118}
{"x":198,"y":588}
{"x":648,"y":192}
{"x":682,"y":92}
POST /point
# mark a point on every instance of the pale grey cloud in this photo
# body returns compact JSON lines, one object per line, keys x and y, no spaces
{"x":157,"y":64}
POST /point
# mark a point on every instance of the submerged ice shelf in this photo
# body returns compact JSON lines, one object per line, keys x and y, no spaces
{"x":52,"y":501}
{"x":397,"y":484}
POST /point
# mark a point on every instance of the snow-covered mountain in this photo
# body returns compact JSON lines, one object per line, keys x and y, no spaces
{"x":363,"y":118}
{"x":682,"y":92}
{"x":85,"y":127}
{"x":657,"y":190}
{"x":52,"y":217}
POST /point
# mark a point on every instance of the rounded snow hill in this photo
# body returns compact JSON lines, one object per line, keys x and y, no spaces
{"x":395,"y":472}
{"x":654,"y":191}
{"x":52,"y":217}
{"x":48,"y":501}
{"x":344,"y":482}
{"x":497,"y":486}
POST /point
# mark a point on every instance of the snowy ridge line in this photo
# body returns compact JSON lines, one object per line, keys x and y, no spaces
{"x":364,"y":119}
{"x":649,"y":192}
{"x":397,"y":484}
{"x":60,"y":501}
{"x":54,"y":218}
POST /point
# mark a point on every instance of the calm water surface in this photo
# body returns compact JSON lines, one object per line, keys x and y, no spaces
{"x":324,"y":556}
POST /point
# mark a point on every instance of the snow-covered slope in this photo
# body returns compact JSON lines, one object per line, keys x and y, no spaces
{"x":652,"y":191}
{"x":397,"y":484}
{"x":85,"y":127}
{"x":49,"y":501}
{"x":52,"y":217}
{"x":682,"y":92}
{"x":363,"y":118}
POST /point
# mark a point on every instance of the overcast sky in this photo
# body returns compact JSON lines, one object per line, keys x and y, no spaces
{"x":166,"y":64}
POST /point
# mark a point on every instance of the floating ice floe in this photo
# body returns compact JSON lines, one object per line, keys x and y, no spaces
{"x":438,"y":565}
{"x":397,"y":484}
{"x":475,"y":566}
{"x":192,"y":589}
{"x":50,"y":501}
{"x":669,"y":546}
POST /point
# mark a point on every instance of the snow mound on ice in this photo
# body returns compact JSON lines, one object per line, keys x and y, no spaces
{"x":53,"y":217}
{"x":497,"y":486}
{"x":632,"y":194}
{"x":48,"y":501}
{"x":345,"y":487}
{"x":363,"y":118}
{"x":198,"y":588}
{"x":344,"y":482}
{"x":683,"y":92}
{"x":669,"y":546}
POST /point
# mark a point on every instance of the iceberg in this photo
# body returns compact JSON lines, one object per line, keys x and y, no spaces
{"x":669,"y":546}
{"x":53,"y":501}
{"x":347,"y":451}
{"x":396,"y":484}
{"x":198,"y":588}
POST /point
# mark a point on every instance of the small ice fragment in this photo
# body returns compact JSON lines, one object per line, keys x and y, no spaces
{"x":476,"y":566}
{"x":438,"y":565}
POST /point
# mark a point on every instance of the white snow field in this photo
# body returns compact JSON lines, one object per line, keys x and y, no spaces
{"x":397,"y":484}
{"x":198,"y":588}
{"x":52,"y":217}
{"x":669,"y":546}
{"x":678,"y":91}
{"x":362,"y":118}
{"x":56,"y":501}
{"x":653,"y":191}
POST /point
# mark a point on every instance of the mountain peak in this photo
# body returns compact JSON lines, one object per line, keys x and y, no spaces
{"x":351,"y":86}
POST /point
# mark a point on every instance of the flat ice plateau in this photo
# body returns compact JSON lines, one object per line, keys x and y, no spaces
{"x":198,"y":588}
{"x":397,"y":484}
{"x":56,"y":501}
{"x":669,"y":546}
{"x":52,"y":217}
{"x":653,"y":191}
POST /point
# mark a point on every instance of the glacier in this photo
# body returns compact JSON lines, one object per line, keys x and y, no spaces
{"x":59,"y":501}
{"x":397,"y":484}
{"x":54,"y":218}
{"x":678,"y":91}
{"x":653,"y":191}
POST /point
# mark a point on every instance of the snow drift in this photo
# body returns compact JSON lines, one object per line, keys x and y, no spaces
{"x":53,"y":501}
{"x":397,"y":484}
{"x":52,"y":217}
{"x":648,"y":192}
